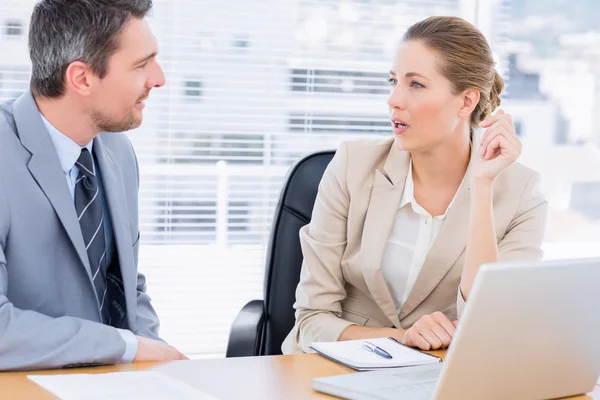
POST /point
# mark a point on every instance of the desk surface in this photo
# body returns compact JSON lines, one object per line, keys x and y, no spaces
{"x":264,"y":378}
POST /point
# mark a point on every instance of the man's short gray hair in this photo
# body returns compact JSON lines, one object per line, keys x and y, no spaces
{"x":64,"y":31}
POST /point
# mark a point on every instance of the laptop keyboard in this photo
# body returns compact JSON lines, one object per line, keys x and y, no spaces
{"x":422,"y":391}
{"x":418,"y":385}
{"x":419,"y":376}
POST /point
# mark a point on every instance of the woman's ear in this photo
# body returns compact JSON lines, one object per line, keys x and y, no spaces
{"x":470,"y":99}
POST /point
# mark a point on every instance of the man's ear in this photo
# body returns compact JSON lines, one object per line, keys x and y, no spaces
{"x":79,"y":78}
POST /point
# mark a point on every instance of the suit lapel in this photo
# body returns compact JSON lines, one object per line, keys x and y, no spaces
{"x":117,"y":205}
{"x":447,"y":247}
{"x":383,"y":205}
{"x":47,"y":171}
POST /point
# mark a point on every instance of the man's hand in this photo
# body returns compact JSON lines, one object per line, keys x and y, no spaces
{"x":431,"y":332}
{"x":154,"y":350}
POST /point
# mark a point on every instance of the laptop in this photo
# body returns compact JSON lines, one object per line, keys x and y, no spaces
{"x":530,"y":330}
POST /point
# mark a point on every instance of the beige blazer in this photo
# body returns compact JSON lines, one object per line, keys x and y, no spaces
{"x":341,"y":283}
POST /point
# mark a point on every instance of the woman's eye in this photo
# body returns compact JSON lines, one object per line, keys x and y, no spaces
{"x":392,"y":81}
{"x":416,"y":84}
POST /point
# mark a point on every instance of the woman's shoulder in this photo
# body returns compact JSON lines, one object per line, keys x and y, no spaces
{"x":356,"y":160}
{"x":519,"y":173}
{"x":367,"y":150}
{"x":521,"y":183}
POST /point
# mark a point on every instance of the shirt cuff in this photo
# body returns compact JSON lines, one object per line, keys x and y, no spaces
{"x":460,"y":304}
{"x":131,"y":345}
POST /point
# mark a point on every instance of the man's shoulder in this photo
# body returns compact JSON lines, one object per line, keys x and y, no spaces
{"x":7,"y":120}
{"x":119,"y":145}
{"x":119,"y":149}
{"x":116,"y":140}
{"x":10,"y":143}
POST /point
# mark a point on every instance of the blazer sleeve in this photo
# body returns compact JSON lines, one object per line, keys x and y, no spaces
{"x":525,"y":233}
{"x":31,"y":340}
{"x":146,"y":320}
{"x":321,"y":288}
{"x":147,"y":323}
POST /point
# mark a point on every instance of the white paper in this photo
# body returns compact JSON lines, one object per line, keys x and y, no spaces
{"x":146,"y":385}
{"x":352,"y":353}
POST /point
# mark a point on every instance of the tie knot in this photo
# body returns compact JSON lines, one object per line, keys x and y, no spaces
{"x":86,"y":163}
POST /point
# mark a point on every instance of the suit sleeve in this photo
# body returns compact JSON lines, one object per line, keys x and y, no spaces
{"x":146,"y":320}
{"x":147,"y":323}
{"x":321,"y":288}
{"x":525,"y":233}
{"x":31,"y":340}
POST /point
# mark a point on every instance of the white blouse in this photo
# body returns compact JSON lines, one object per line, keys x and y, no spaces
{"x":412,"y":236}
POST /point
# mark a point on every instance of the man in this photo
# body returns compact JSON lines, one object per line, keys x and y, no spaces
{"x":70,"y":293}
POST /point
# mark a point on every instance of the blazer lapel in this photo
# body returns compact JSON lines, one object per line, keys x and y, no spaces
{"x":46,"y":169}
{"x":447,"y":247}
{"x":383,"y":205}
{"x":117,"y":205}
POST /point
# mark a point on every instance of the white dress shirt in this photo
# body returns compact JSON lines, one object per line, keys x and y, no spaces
{"x":412,"y":236}
{"x":68,"y":152}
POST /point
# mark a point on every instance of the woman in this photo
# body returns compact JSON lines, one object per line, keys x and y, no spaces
{"x":400,"y":226}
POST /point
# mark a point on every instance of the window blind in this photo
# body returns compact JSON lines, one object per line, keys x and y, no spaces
{"x":14,"y":57}
{"x":252,"y":86}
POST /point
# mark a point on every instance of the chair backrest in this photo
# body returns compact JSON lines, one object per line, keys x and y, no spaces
{"x":284,"y":255}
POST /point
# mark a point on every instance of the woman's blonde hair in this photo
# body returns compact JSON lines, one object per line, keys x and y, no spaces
{"x":467,"y":59}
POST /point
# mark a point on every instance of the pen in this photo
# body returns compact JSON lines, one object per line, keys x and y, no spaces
{"x":376,"y":349}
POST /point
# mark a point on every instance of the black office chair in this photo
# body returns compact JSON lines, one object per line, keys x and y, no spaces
{"x":262,"y":325}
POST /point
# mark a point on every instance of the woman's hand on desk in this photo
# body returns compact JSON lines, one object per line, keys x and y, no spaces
{"x":355,"y":332}
{"x":431,"y":332}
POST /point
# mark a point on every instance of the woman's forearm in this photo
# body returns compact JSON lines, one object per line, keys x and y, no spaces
{"x":355,"y":332}
{"x":481,"y":238}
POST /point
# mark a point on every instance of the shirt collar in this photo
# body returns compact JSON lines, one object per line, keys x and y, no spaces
{"x":68,"y":151}
{"x":408,"y":196}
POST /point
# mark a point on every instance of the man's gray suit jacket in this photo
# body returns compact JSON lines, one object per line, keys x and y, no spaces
{"x":49,"y":312}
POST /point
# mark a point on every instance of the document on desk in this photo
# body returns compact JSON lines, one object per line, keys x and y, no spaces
{"x":353,"y":354}
{"x":146,"y":385}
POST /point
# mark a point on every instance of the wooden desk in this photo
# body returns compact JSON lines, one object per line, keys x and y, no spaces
{"x":260,"y":378}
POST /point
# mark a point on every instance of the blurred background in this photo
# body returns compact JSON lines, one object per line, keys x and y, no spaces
{"x":253,"y":85}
